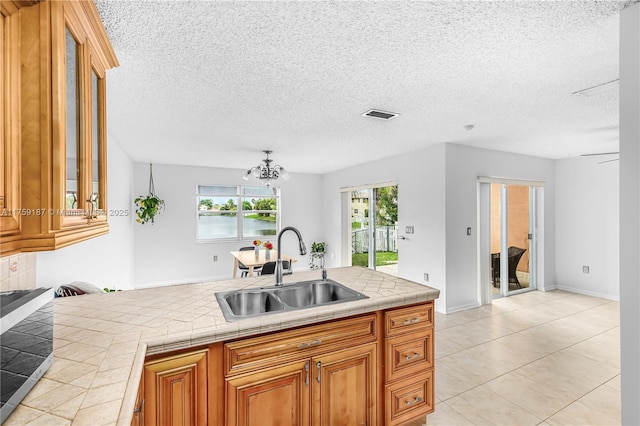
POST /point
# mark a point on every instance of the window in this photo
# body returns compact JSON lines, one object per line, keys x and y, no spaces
{"x":237,"y":212}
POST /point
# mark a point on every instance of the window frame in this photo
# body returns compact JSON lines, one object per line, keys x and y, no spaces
{"x":240,"y":212}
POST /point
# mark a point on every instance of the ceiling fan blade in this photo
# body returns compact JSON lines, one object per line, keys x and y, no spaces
{"x":601,"y":153}
{"x":608,"y":161}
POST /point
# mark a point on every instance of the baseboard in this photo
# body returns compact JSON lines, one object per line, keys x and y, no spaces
{"x":587,"y":292}
{"x":462,"y":308}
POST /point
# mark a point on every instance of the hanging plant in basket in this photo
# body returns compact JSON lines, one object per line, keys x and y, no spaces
{"x":147,"y":207}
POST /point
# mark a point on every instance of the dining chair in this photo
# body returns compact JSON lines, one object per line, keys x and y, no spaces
{"x":245,"y":269}
{"x":268,"y":268}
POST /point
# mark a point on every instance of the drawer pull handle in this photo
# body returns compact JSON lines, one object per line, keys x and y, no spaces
{"x":410,"y":357}
{"x":412,"y":320}
{"x":414,"y":400}
{"x":319,"y":367}
{"x":307,"y":344}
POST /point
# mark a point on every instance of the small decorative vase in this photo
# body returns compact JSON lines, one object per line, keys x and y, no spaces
{"x":267,"y":254}
{"x":256,"y":250}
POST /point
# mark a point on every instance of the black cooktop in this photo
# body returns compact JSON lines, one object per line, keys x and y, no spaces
{"x":12,"y":300}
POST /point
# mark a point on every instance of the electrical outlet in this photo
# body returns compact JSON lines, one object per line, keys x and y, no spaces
{"x":409,"y":229}
{"x":585,"y":269}
{"x":215,"y":257}
{"x":426,"y":277}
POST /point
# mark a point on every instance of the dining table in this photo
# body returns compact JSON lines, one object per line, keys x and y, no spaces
{"x":251,"y":260}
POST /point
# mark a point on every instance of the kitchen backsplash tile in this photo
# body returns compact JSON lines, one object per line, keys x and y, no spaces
{"x":18,"y":272}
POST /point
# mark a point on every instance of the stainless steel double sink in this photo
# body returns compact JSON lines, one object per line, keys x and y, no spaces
{"x":247,"y":303}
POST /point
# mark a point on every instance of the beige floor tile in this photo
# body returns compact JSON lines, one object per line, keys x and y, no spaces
{"x":536,"y":398}
{"x":444,"y":415}
{"x":487,"y":361}
{"x":445,"y":346}
{"x":451,"y":382}
{"x":615,"y":383}
{"x":568,"y":373}
{"x":475,"y":333}
{"x":531,"y":342}
{"x":443,"y":321}
{"x":484,"y":407}
{"x":604,"y":348}
{"x":580,"y":413}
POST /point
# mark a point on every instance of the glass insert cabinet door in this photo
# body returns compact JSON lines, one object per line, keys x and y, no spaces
{"x":98,"y":143}
{"x":73,"y":154}
{"x":85,"y":136}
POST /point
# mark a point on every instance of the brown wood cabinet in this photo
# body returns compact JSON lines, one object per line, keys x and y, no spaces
{"x":182,"y":388}
{"x":332,"y":373}
{"x":53,"y":190}
{"x":409,"y":363}
{"x":330,"y":377}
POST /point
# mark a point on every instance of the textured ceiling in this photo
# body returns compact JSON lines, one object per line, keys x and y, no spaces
{"x":212,"y":83}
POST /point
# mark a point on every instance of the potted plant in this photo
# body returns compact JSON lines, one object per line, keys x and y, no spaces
{"x":317,"y":252}
{"x":147,"y":207}
{"x":317,"y":247}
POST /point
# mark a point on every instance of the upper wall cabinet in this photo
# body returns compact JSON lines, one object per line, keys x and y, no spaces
{"x":54,"y":176}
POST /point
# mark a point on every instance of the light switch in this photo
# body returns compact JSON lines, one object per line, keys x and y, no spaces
{"x":408,"y":229}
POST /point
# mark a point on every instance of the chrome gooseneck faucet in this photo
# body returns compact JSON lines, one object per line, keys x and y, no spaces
{"x":303,"y":251}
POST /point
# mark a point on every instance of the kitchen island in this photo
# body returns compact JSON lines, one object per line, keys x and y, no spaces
{"x":101,"y":341}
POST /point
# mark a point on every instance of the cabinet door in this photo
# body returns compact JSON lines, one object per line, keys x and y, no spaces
{"x":345,"y":387}
{"x":176,"y":389}
{"x":275,"y":396}
{"x":9,"y":128}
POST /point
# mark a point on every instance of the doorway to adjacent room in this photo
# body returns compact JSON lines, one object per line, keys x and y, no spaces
{"x":373,"y":228}
{"x":509,"y":236}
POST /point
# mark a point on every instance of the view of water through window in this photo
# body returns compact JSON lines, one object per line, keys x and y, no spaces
{"x":227,"y":227}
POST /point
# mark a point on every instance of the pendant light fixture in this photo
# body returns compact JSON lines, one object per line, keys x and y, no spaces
{"x":266,"y":172}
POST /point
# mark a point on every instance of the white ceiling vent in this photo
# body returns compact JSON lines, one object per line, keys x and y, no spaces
{"x":376,"y":113}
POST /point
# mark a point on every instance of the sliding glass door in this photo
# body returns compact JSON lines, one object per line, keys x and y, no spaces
{"x":512,"y":238}
{"x":374,"y":231}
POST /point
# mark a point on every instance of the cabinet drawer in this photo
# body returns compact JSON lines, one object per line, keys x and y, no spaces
{"x":408,"y":354}
{"x":409,"y":398}
{"x":407,"y":320}
{"x":258,"y":352}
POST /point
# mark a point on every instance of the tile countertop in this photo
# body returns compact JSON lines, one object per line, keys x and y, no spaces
{"x":101,"y":340}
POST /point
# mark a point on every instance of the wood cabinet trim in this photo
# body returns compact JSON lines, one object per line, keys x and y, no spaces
{"x":401,"y":403}
{"x":408,"y":354}
{"x":258,"y":352}
{"x":409,"y":319}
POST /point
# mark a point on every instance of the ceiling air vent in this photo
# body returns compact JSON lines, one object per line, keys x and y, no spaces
{"x":376,"y":113}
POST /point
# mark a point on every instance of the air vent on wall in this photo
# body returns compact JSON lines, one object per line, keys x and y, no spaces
{"x":384,"y":115}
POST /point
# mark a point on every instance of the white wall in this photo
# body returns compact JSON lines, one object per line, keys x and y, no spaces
{"x":106,"y":261}
{"x":167,"y":253}
{"x":463,"y":166}
{"x":588,"y":226}
{"x":421,"y":198}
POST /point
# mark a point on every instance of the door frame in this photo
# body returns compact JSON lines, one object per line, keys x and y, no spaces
{"x":536,"y":246}
{"x":346,"y":221}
